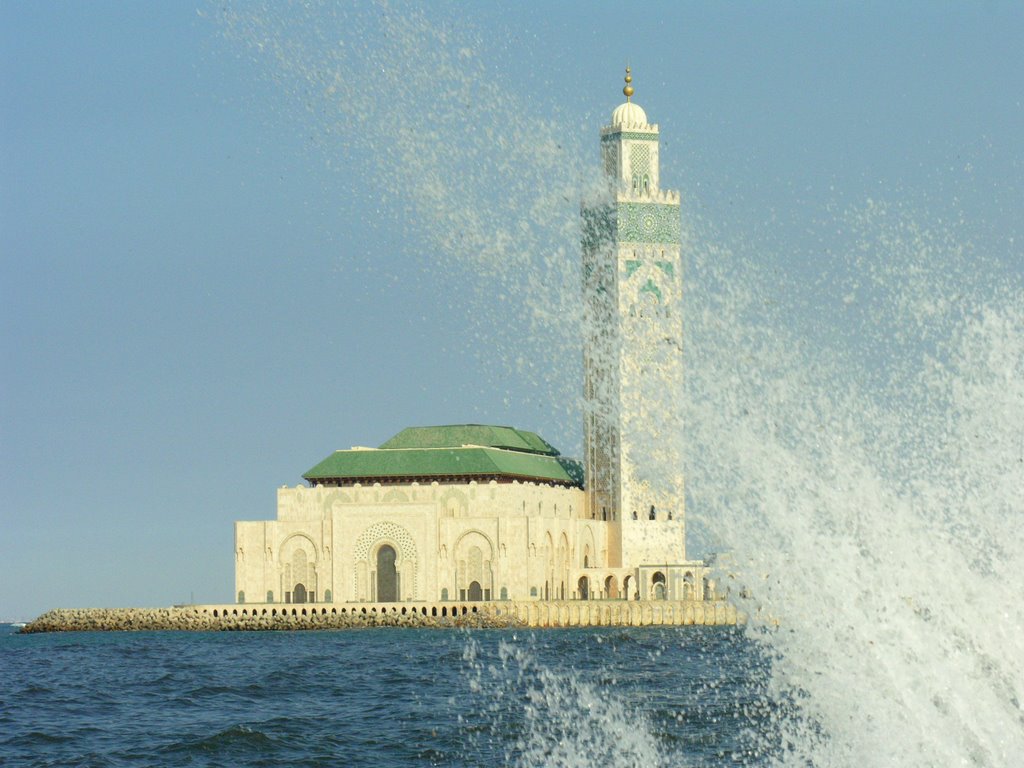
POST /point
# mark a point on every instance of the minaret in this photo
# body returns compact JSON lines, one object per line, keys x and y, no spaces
{"x":633,"y":347}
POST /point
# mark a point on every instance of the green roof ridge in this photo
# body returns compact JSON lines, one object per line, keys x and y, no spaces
{"x":484,"y":435}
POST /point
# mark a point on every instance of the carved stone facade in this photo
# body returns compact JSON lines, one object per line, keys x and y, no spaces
{"x":453,"y":542}
{"x":461,"y":541}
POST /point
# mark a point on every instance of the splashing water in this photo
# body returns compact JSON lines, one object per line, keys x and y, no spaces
{"x":866,"y":472}
{"x":522,"y":693}
{"x":489,"y":182}
{"x":891,"y":509}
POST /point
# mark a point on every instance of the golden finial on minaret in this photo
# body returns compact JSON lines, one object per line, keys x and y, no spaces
{"x":628,"y":90}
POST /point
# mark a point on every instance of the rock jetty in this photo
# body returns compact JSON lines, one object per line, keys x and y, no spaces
{"x":268,"y":616}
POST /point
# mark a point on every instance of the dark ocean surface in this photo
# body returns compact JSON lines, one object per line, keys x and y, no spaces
{"x":377,"y":697}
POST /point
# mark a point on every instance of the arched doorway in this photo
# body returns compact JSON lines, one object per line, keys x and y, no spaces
{"x":387,"y":575}
{"x":583,"y":588}
{"x":627,"y":584}
{"x":611,"y":589}
{"x":476,"y":592}
{"x":299,"y":593}
{"x":658,"y":582}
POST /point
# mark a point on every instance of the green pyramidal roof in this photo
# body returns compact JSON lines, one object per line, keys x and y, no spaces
{"x":458,"y":435}
{"x":463,"y":451}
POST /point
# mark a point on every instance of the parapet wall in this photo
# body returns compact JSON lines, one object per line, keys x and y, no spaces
{"x":275,"y":616}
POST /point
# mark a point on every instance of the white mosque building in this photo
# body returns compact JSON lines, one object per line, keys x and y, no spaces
{"x":487,"y":513}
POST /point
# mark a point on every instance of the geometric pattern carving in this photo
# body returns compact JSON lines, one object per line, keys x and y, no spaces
{"x":649,"y":223}
{"x":640,"y":160}
{"x":385,"y":530}
{"x":632,"y":135}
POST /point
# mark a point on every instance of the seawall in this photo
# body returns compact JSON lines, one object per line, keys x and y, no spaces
{"x":276,"y":616}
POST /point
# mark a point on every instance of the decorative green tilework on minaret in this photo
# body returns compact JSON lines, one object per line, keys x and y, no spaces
{"x":633,"y":337}
{"x":648,"y":223}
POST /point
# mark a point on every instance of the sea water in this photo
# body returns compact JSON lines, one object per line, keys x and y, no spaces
{"x":691,"y":696}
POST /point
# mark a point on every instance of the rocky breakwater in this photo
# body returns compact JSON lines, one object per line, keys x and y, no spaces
{"x":499,"y":614}
{"x":192,"y":619}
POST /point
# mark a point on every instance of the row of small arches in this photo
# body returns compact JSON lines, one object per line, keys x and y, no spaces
{"x":457,"y":610}
{"x":475,"y":593}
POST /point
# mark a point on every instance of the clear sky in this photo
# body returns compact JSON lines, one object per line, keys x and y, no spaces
{"x":213,"y":271}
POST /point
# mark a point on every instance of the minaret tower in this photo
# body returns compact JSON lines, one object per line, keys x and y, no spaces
{"x":633,"y":347}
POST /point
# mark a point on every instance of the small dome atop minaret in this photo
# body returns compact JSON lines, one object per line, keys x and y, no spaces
{"x":629,"y":114}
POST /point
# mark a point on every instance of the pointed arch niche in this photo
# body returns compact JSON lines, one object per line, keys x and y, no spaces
{"x":297,"y":569}
{"x":390,"y":546}
{"x":474,"y":566}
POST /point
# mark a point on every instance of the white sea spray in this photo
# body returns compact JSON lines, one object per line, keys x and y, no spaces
{"x":563,"y":720}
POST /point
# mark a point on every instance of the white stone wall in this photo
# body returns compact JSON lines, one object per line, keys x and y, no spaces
{"x":517,"y":541}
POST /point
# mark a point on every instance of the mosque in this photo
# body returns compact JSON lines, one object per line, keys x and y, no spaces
{"x":473,"y":512}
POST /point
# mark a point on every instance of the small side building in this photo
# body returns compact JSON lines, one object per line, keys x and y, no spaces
{"x":462,"y":512}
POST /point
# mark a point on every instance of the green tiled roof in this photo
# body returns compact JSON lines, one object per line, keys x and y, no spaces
{"x":454,"y":451}
{"x":458,"y":435}
{"x":446,"y":462}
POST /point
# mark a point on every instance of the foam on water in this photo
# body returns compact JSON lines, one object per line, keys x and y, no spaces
{"x":864,"y":468}
{"x":562,"y":720}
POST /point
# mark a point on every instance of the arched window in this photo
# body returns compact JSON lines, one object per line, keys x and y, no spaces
{"x":647,"y":184}
{"x":504,"y":593}
{"x":328,"y":597}
{"x":241,"y":596}
{"x":658,"y":582}
{"x":611,"y":588}
{"x":444,"y":593}
{"x":583,"y":588}
{"x":270,"y":595}
{"x":652,"y":515}
{"x":533,"y":591}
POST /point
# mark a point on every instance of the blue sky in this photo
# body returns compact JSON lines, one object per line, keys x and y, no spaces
{"x":203,"y":292}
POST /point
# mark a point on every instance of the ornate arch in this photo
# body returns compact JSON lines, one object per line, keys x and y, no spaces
{"x":474,"y":554}
{"x":588,"y":542}
{"x":454,"y":503}
{"x":393,"y":532}
{"x":297,"y":564}
{"x":469,"y":532}
{"x":298,"y":535}
{"x":394,"y":535}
